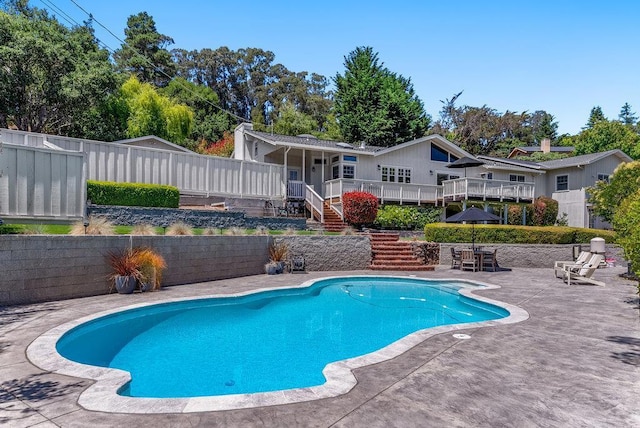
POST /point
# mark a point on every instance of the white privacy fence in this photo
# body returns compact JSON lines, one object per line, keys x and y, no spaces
{"x":40,"y":183}
{"x":191,"y":173}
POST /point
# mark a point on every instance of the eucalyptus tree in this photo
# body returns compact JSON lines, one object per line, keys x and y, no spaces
{"x":374,"y":105}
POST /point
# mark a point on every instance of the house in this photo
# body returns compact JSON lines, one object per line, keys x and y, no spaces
{"x":545,"y":147}
{"x":417,"y":172}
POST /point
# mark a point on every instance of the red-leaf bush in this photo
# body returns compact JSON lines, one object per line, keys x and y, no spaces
{"x":359,"y":208}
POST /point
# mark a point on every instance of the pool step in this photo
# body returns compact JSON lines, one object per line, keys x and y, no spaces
{"x":388,"y":253}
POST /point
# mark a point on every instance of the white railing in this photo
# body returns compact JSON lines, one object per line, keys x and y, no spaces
{"x":296,"y":190}
{"x":477,"y":188}
{"x":41,"y":184}
{"x":386,"y":192}
{"x":314,"y":203}
{"x":192,"y":173}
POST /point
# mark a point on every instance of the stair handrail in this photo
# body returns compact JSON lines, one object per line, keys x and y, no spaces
{"x":315,"y":202}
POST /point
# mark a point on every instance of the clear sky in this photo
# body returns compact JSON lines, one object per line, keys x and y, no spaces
{"x":562,"y":56}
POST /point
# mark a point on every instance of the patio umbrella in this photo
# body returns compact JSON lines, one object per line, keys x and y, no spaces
{"x":465,"y":162}
{"x":472,"y":215}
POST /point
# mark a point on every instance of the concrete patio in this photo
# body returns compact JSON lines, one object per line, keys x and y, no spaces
{"x":574,"y":363}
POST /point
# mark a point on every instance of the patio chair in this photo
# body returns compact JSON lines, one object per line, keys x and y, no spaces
{"x":489,"y":260}
{"x":468,"y":260}
{"x":455,"y":258}
{"x":583,"y":272}
{"x":559,"y":265}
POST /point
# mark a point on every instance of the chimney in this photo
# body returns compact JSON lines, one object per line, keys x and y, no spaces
{"x":362,"y":145}
{"x":545,"y":145}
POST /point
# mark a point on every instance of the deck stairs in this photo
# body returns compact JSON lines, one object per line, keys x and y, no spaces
{"x":389,"y":253}
{"x":332,"y":221}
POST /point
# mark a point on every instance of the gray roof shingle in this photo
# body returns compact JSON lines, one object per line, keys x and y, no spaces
{"x":310,"y":141}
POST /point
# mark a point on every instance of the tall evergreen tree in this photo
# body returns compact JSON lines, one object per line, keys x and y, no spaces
{"x":627,"y":116}
{"x":595,"y":116}
{"x":144,"y":52}
{"x":374,"y":105}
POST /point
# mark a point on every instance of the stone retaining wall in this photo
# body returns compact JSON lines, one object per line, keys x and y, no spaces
{"x":164,"y":217}
{"x":331,"y":253}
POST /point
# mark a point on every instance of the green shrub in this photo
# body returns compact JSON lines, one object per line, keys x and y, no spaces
{"x":406,"y":217}
{"x":487,"y":233}
{"x":12,"y":229}
{"x":132,"y":194}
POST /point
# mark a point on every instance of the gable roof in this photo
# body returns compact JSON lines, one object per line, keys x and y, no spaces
{"x":511,"y":164}
{"x":309,"y":141}
{"x":537,"y":149}
{"x":439,"y":139}
{"x":153,"y":138}
{"x":583,"y":159}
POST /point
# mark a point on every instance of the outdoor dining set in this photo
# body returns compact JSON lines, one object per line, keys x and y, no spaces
{"x":474,"y":259}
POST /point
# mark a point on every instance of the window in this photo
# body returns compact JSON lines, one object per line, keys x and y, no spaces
{"x":404,"y":175}
{"x":487,"y":175}
{"x":437,"y":154}
{"x":444,"y":177}
{"x":603,"y":177}
{"x":335,"y":171}
{"x":335,"y":159}
{"x":349,"y":158}
{"x":562,"y":182}
{"x":389,"y":174}
{"x":348,"y":171}
{"x":518,"y":178}
{"x":293,"y":175}
{"x":318,"y":161}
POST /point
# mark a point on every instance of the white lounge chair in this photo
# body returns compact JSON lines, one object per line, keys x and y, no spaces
{"x":582,"y":272}
{"x":559,"y":265}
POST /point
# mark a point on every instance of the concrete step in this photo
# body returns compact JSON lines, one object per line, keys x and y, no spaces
{"x":402,"y":268}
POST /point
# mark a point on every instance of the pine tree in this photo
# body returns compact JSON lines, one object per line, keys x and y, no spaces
{"x":595,"y":116}
{"x":627,"y":116}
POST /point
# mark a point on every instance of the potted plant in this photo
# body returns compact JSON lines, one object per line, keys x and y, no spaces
{"x":272,"y":268}
{"x":278,"y":254}
{"x":151,"y":265}
{"x":125,"y":270}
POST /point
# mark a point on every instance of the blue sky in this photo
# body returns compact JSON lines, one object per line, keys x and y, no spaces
{"x":560,"y":56}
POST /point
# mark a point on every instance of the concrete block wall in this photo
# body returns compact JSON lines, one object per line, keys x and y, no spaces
{"x":39,"y":268}
{"x":331,"y":253}
{"x":529,"y":255}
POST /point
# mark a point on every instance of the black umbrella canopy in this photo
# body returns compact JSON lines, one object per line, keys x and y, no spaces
{"x":465,"y":162}
{"x":472,"y":215}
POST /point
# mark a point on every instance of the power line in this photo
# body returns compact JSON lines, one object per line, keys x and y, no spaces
{"x":155,"y":67}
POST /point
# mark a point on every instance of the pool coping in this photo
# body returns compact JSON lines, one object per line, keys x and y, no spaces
{"x":102,"y":394}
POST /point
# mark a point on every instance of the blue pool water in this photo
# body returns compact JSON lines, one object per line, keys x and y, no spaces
{"x":274,"y":340}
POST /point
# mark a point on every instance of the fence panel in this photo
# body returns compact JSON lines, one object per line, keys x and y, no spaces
{"x":40,"y":183}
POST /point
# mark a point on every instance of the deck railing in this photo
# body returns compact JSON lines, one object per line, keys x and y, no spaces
{"x":314,"y":203}
{"x":386,"y":192}
{"x":493,"y":190}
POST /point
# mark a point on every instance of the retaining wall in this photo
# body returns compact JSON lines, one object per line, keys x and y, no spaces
{"x":164,"y":217}
{"x":49,"y":267}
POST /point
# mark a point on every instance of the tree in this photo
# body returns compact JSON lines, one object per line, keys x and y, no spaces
{"x":605,"y":197}
{"x":144,"y":52}
{"x":210,"y":123}
{"x":51,"y":78}
{"x":154,"y":114}
{"x":626,"y":223}
{"x":626,"y":116}
{"x":374,"y":105}
{"x":595,"y":116}
{"x":543,"y":125}
{"x":608,"y":135}
{"x":293,"y":122}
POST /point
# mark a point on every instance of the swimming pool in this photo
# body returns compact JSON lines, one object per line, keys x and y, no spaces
{"x":300,"y":342}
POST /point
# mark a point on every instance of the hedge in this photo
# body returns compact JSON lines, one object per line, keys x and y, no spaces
{"x":406,"y":216}
{"x":486,"y":233}
{"x":132,"y":194}
{"x":359,"y":208}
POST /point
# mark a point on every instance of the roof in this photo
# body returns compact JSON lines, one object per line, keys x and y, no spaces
{"x":134,"y":141}
{"x":559,"y":149}
{"x":583,"y":159}
{"x":310,"y":141}
{"x":510,"y":164}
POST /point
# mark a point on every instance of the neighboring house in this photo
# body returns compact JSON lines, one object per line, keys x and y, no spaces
{"x":545,"y":147}
{"x":153,"y":142}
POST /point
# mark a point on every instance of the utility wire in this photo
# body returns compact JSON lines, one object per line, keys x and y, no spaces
{"x":157,"y":68}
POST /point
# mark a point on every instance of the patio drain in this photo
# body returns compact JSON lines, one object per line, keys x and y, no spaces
{"x":462,"y":336}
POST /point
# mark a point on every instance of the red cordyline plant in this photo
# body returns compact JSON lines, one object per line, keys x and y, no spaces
{"x":359,"y":208}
